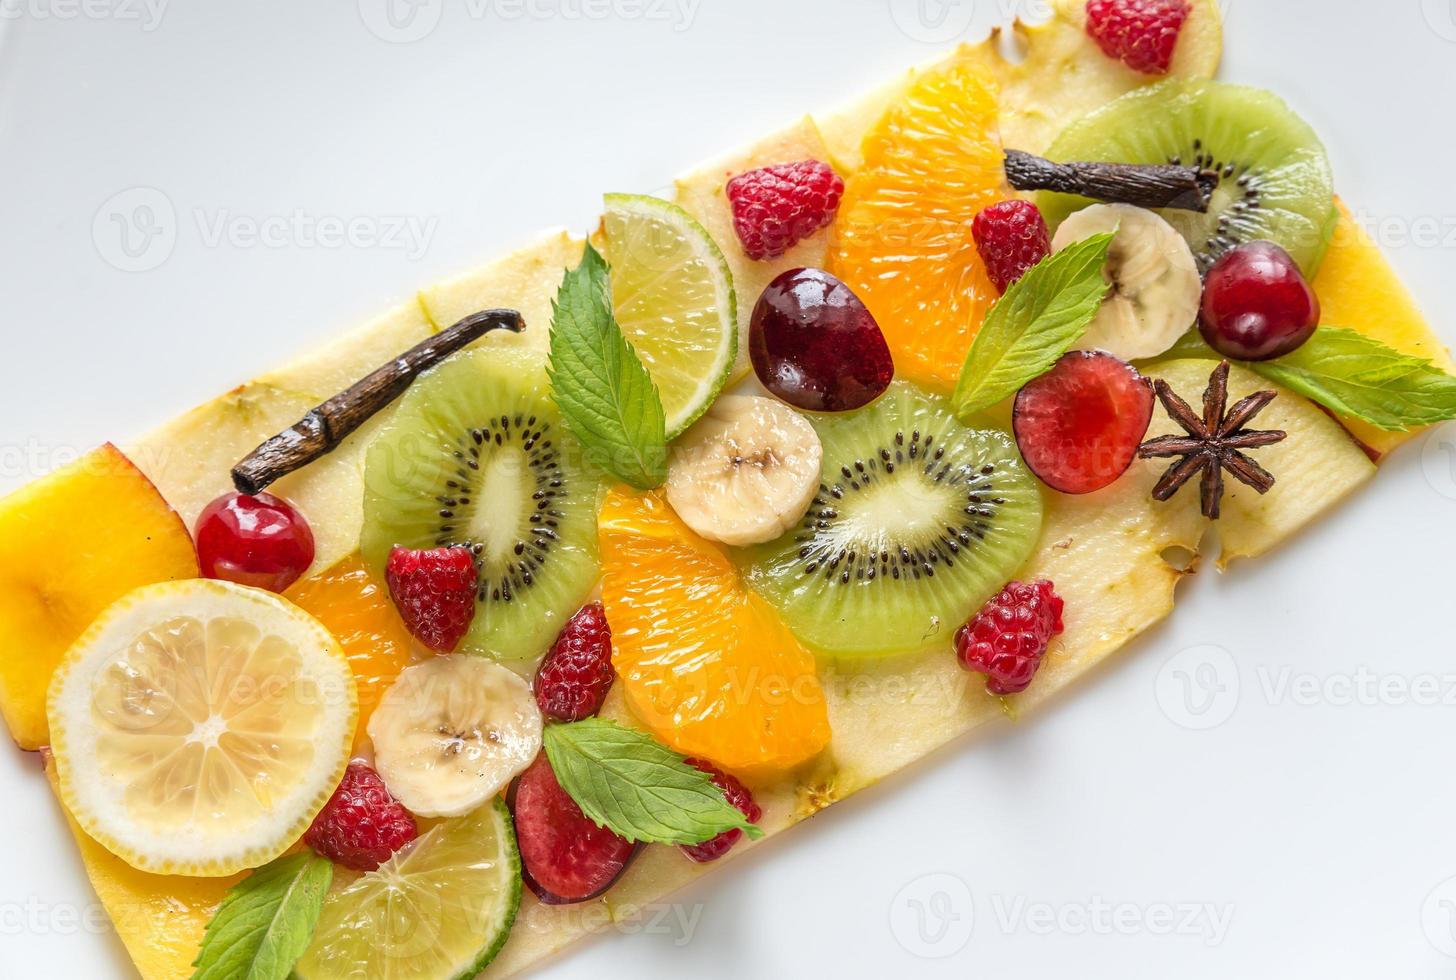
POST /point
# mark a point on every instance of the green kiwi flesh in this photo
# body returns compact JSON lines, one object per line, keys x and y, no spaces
{"x":1274,"y":176}
{"x":477,"y":456}
{"x":919,"y":520}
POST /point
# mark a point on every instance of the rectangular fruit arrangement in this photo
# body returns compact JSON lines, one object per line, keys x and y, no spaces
{"x":581,"y":592}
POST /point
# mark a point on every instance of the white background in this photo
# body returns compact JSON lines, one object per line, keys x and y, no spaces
{"x":1322,"y":823}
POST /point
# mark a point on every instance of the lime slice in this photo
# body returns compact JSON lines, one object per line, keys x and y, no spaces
{"x":198,"y":727}
{"x":673,"y":297}
{"x":440,"y":909}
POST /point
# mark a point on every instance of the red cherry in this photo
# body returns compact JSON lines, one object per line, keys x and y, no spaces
{"x":1256,"y":304}
{"x":260,"y":541}
{"x":816,"y":346}
{"x":1079,"y":425}
{"x":565,"y":857}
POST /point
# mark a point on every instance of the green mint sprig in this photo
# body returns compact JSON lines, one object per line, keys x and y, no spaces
{"x":606,"y":396}
{"x":266,"y":921}
{"x":638,"y":788}
{"x":1039,"y":319}
{"x":1353,"y":375}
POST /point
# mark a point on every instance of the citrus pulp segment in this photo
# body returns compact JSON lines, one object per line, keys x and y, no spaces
{"x":199,"y":727}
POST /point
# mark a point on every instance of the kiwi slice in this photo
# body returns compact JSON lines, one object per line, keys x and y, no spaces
{"x":1274,"y":176}
{"x":918,"y":522}
{"x":477,"y":456}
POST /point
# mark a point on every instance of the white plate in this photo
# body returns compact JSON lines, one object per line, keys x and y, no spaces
{"x":1320,"y":825}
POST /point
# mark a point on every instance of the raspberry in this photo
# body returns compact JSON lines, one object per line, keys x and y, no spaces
{"x":737,"y":794}
{"x":573,"y":680}
{"x":1008,"y":637}
{"x":435,"y":593}
{"x":1140,"y":33}
{"x":1011,"y":237}
{"x":775,"y":208}
{"x":361,"y":826}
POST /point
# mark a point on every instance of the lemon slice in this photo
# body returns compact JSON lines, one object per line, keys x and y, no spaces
{"x":673,"y":297}
{"x":198,"y":727}
{"x":439,"y":909}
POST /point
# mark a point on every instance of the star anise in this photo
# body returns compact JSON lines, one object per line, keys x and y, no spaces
{"x":1213,"y":442}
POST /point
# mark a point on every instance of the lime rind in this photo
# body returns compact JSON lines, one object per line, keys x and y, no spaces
{"x":448,"y":903}
{"x":674,"y":299}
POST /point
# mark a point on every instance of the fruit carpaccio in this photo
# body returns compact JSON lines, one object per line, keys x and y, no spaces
{"x":565,"y":857}
{"x":261,"y":541}
{"x":706,"y":664}
{"x":815,"y":345}
{"x":1038,"y":101}
{"x":1079,"y":425}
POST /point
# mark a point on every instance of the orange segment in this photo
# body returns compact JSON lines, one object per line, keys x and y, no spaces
{"x":1358,"y":288}
{"x":903,"y":238}
{"x":706,"y":664}
{"x":356,"y":608}
{"x":71,"y":544}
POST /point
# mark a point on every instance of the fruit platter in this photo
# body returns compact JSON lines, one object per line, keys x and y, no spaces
{"x":559,"y":585}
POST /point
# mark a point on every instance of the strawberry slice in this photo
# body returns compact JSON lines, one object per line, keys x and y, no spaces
{"x":565,"y":858}
{"x":1079,"y":425}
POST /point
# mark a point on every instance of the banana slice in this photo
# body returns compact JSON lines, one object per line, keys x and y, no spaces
{"x":1156,"y":288}
{"x":451,"y":732}
{"x":746,"y":472}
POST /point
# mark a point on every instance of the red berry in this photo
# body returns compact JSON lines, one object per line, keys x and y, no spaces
{"x":260,"y":541}
{"x":361,"y":826}
{"x":573,"y":680}
{"x":738,"y":795}
{"x":815,"y":345}
{"x":1140,"y":33}
{"x":775,"y":208}
{"x":565,"y":857}
{"x":1079,"y":425}
{"x":1011,"y":237}
{"x":435,"y":593}
{"x":1256,"y":304}
{"x":1008,"y":637}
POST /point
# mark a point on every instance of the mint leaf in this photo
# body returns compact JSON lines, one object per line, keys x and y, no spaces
{"x":1352,"y":374}
{"x":1038,"y":320}
{"x":606,"y":396}
{"x":266,"y":921}
{"x":640,"y":789}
